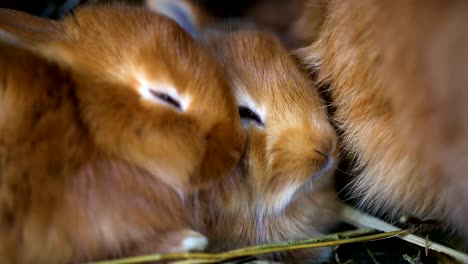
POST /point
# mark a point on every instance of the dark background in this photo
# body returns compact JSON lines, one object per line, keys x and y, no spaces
{"x":58,"y":8}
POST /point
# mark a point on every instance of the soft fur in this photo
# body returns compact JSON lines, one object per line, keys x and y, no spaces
{"x":397,"y":76}
{"x":88,"y":168}
{"x":282,"y":189}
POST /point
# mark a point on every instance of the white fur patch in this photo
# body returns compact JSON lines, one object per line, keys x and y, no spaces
{"x":196,"y":242}
{"x":282,"y":200}
{"x":11,"y":39}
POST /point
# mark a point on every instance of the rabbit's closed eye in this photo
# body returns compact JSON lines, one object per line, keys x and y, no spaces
{"x":166,"y":98}
{"x":163,"y":94}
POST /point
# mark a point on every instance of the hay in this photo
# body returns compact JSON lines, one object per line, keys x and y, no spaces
{"x":341,"y":238}
{"x":370,"y":230}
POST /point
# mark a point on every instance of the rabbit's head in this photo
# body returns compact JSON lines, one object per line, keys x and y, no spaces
{"x":146,"y":91}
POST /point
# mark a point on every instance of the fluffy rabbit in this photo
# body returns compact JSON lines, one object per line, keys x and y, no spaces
{"x":109,"y":118}
{"x":397,"y":76}
{"x":282,"y":189}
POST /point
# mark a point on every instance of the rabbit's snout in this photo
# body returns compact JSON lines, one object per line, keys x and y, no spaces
{"x":311,"y":150}
{"x":326,"y":156}
{"x":327,"y":146}
{"x":326,"y":163}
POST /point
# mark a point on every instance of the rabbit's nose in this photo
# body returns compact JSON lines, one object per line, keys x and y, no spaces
{"x":323,"y":153}
{"x":326,"y":148}
{"x":326,"y":151}
{"x":326,"y":163}
{"x":326,"y":157}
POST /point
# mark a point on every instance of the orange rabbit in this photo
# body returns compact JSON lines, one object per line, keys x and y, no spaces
{"x":109,"y":118}
{"x":282,"y":189}
{"x":397,"y":76}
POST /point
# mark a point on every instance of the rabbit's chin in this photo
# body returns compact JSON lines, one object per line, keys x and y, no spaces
{"x":306,"y":216}
{"x":275,"y":203}
{"x":278,"y":201}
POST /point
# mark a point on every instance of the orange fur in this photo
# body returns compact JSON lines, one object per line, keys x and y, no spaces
{"x":88,"y":168}
{"x":397,"y":76}
{"x":282,"y":189}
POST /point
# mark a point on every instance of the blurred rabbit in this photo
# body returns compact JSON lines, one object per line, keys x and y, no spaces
{"x":109,"y":119}
{"x":398,"y":82}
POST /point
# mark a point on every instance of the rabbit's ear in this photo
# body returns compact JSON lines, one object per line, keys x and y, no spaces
{"x":44,"y":37}
{"x":29,"y":28}
{"x":184,"y":12}
{"x":28,"y":82}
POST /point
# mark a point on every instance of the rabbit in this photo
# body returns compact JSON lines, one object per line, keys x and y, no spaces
{"x":109,"y":119}
{"x":283,"y":187}
{"x":395,"y":72}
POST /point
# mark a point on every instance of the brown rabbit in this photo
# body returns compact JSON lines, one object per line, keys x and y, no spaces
{"x":397,"y":76}
{"x":109,"y":118}
{"x":282,"y":189}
